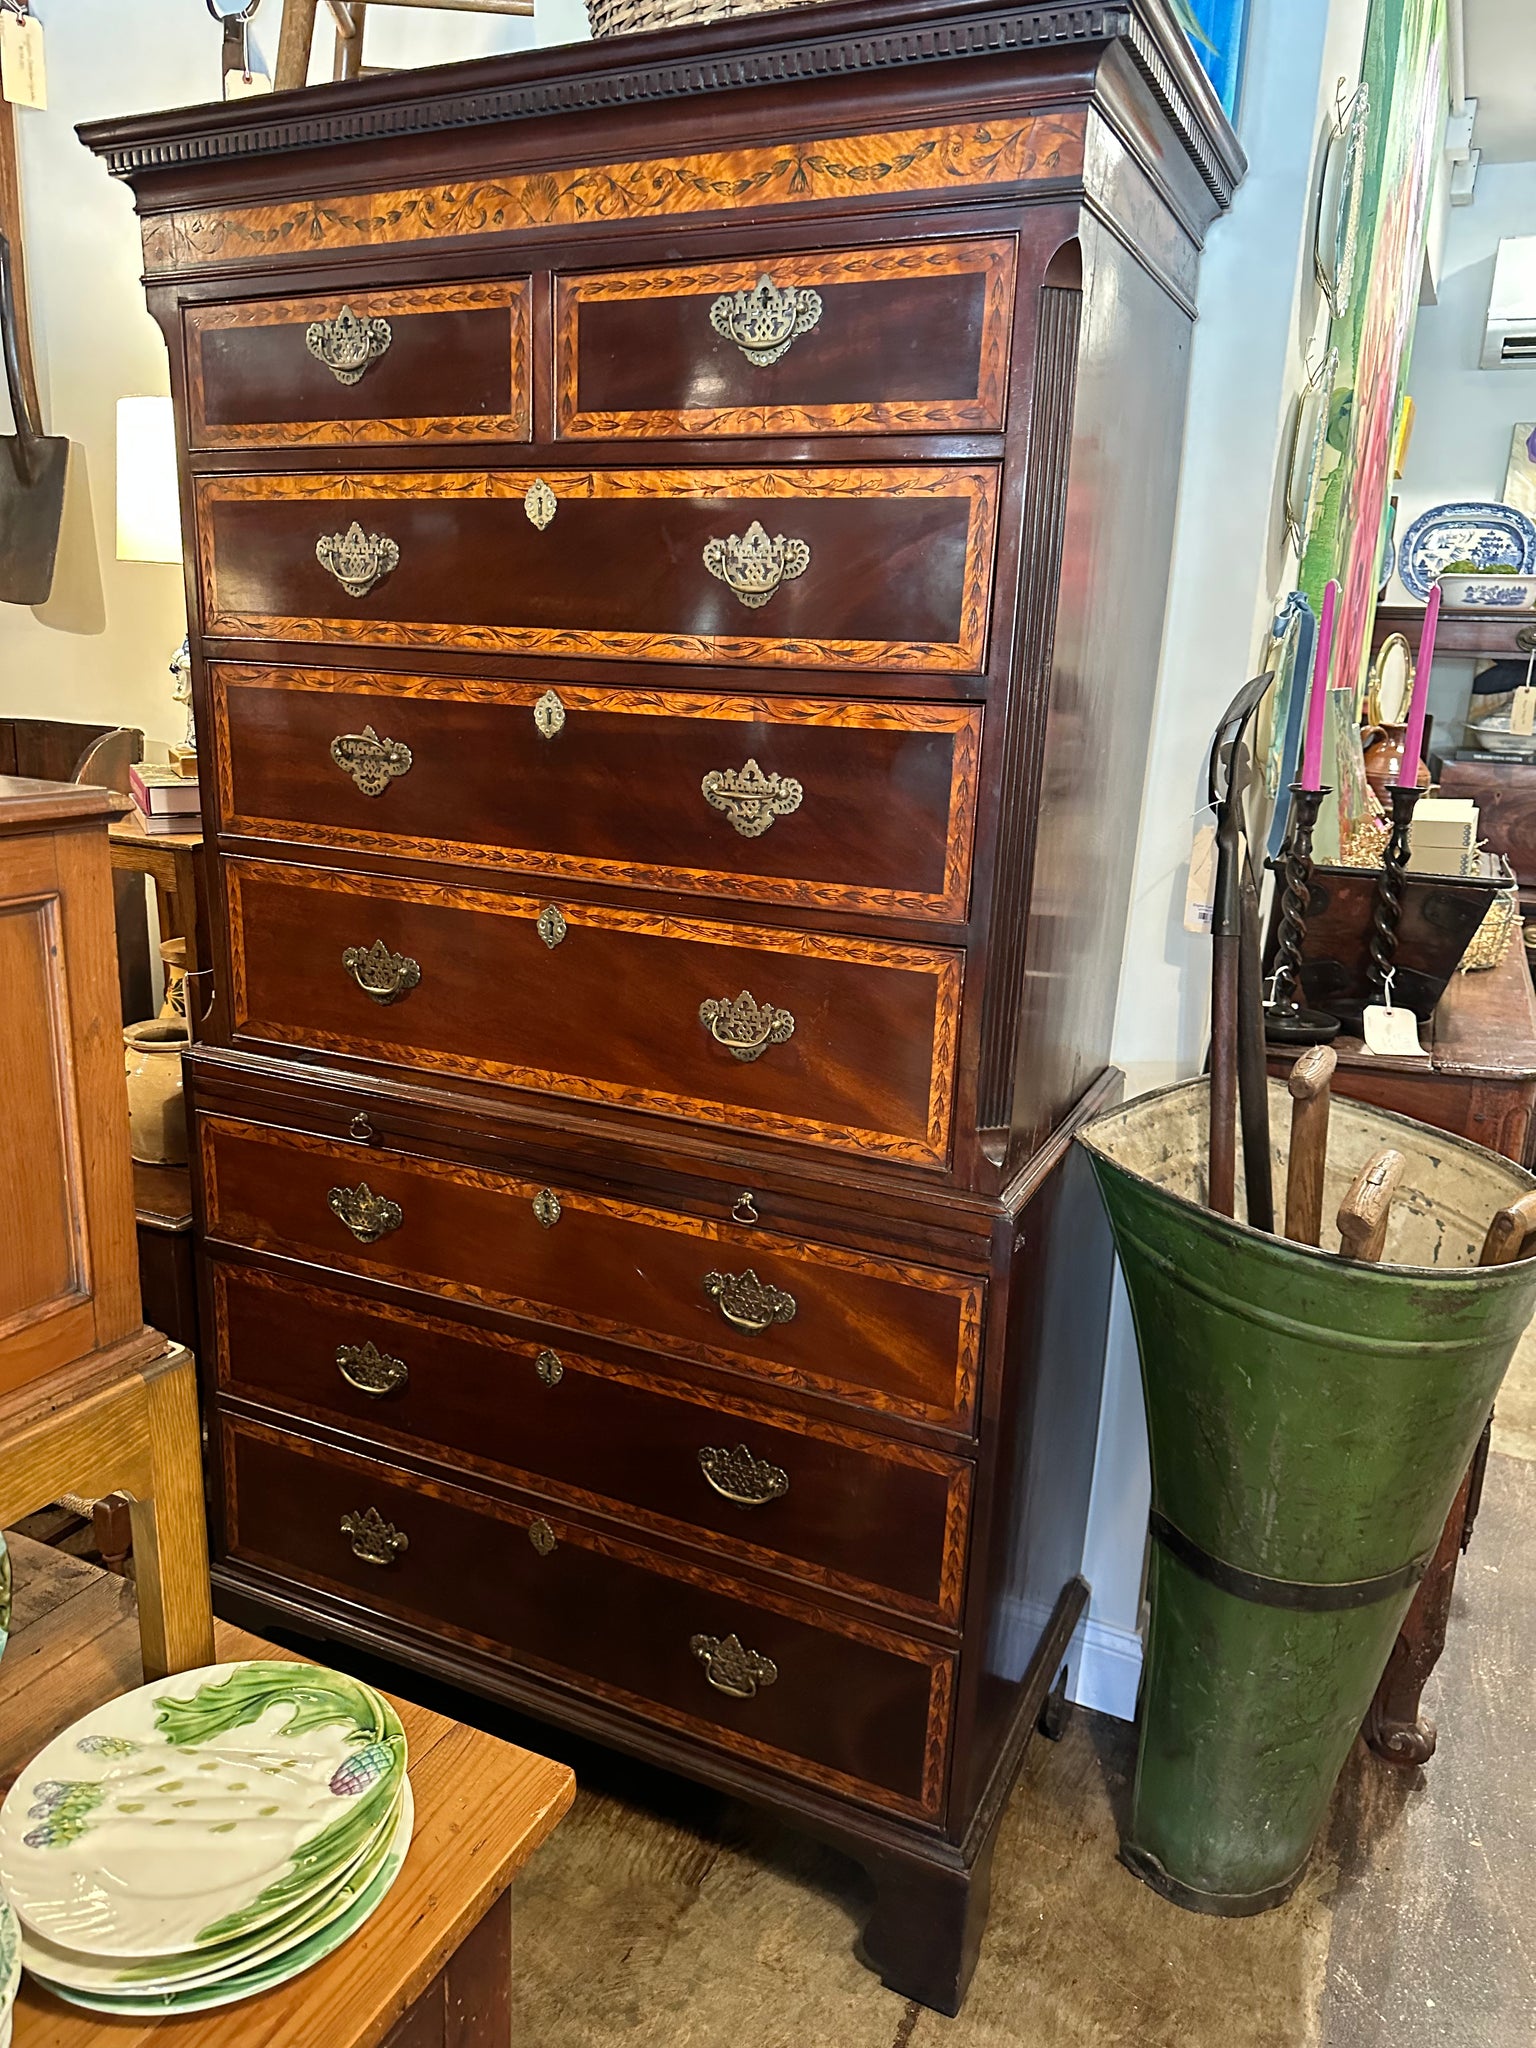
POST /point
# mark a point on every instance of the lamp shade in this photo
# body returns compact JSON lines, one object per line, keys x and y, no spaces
{"x":148,"y":506}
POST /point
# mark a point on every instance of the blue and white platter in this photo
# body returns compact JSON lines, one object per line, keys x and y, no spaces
{"x":1486,"y":535}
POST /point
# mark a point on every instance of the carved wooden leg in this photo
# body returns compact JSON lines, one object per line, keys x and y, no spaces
{"x":1395,"y":1728}
{"x":924,"y":1935}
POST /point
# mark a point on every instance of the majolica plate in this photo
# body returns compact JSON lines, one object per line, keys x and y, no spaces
{"x":1487,"y":536}
{"x":5,"y":1596}
{"x":197,"y":1810}
{"x":10,"y":1957}
{"x":279,"y":1969}
{"x":120,"y":1978}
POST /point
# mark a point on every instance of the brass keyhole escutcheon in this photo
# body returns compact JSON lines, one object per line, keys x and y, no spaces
{"x":549,"y":1368}
{"x":542,"y":1537}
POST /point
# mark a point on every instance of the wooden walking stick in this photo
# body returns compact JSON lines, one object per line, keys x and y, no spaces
{"x":1508,"y":1231}
{"x":1309,"y":1082}
{"x":1365,"y":1210}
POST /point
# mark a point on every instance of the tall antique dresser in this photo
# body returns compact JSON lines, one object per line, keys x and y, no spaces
{"x":676,"y":542}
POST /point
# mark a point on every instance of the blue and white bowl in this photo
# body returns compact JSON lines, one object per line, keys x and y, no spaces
{"x":1464,"y":593}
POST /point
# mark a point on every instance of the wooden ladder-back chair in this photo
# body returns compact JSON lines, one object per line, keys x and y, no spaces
{"x":299,"y":27}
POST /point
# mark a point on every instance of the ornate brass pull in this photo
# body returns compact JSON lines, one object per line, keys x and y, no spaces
{"x":348,"y":343}
{"x":371,"y":1370}
{"x":356,"y":559}
{"x":374,"y":1540}
{"x":751,"y":799}
{"x":741,"y":1478}
{"x":732,"y":1668}
{"x":753,"y":566}
{"x":368,"y":1216}
{"x":381,"y":974}
{"x":764,"y":321}
{"x":372,"y":763}
{"x":745,"y":1028}
{"x":747,"y":1302}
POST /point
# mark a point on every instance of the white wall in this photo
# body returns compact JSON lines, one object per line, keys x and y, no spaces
{"x":1260,"y":310}
{"x":99,"y":649}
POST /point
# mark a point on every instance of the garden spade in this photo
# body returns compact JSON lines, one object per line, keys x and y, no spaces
{"x":32,"y":468}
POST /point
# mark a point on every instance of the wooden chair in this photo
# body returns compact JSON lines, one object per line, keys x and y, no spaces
{"x":298,"y":31}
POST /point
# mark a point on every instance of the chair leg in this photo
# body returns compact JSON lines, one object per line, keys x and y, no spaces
{"x":170,"y":1538}
{"x":298,"y":32}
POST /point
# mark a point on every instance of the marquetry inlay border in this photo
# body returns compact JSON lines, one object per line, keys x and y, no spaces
{"x":513,"y":296}
{"x":705,"y":1579}
{"x":1014,"y":150}
{"x":508,"y":1355}
{"x":975,"y":488}
{"x":993,"y":261}
{"x":960,"y":722}
{"x":942,"y":969}
{"x":956,"y":1397}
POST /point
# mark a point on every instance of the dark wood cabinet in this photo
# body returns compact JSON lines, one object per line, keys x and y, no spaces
{"x":678,"y":533}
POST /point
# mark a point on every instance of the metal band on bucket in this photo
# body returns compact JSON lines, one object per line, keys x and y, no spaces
{"x":1297,"y":1593}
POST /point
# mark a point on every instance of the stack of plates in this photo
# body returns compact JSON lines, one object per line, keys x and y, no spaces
{"x":10,"y":1968}
{"x":204,"y":1838}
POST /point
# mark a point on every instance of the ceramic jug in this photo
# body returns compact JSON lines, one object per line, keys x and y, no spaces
{"x":157,"y":1115}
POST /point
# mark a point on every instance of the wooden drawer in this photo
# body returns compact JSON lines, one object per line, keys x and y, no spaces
{"x":812,"y":568}
{"x":909,"y":339}
{"x":883,"y":1333}
{"x":839,"y":1703}
{"x":778,"y":799}
{"x":829,"y":1040}
{"x":860,"y":1514}
{"x":441,"y":363}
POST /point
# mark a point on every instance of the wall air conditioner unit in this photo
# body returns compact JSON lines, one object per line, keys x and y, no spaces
{"x":1510,"y":336}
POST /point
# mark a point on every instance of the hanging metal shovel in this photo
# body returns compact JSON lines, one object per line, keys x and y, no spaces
{"x":32,"y":470}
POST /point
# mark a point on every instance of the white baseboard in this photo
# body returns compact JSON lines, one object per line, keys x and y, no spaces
{"x":1105,"y":1670}
{"x":1103,"y":1663}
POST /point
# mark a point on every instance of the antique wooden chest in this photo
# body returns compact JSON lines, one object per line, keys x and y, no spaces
{"x":676,"y":543}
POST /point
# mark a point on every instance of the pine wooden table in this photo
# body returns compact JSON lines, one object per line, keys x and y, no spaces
{"x":431,"y":1969}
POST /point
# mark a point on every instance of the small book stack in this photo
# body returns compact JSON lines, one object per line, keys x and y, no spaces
{"x":167,"y":801}
{"x":1443,"y":840}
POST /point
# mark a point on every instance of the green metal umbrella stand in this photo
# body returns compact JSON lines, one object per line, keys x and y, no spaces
{"x":1310,"y":1418}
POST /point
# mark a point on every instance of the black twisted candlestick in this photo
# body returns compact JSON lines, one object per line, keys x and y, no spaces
{"x":1389,"y":887}
{"x":1286,"y":1019}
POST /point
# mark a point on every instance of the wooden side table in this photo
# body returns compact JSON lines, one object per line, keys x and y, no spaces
{"x":173,"y":862}
{"x":130,"y":1427}
{"x":431,"y":1969}
{"x":1479,"y":1082}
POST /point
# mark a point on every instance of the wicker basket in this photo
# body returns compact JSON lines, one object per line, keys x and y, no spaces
{"x":629,"y":17}
{"x":1495,"y":935}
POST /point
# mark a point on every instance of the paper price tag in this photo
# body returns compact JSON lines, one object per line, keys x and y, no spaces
{"x":22,"y":78}
{"x":1394,"y":1033}
{"x":1200,"y":896}
{"x":244,"y":85}
{"x":1522,"y":712}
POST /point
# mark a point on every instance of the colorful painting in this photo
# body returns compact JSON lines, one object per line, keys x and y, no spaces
{"x":1218,"y":29}
{"x":1404,"y":74}
{"x":1520,"y":484}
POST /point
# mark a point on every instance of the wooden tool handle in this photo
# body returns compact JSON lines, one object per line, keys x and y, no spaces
{"x":1508,"y":1232}
{"x":1309,"y":1083}
{"x":1364,"y":1211}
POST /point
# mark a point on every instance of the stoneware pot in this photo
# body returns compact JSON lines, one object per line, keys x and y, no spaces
{"x":1384,"y":756}
{"x":157,"y":1112}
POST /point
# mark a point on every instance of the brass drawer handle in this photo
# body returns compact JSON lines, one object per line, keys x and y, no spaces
{"x":371,"y":1370}
{"x":372,"y":763}
{"x":730,"y":1667}
{"x":373,"y":1539}
{"x":739,"y":1477}
{"x":764,"y":321}
{"x":368,"y":1216}
{"x":751,"y":799}
{"x":752,"y":565}
{"x":348,"y":343}
{"x":381,"y":974}
{"x":747,"y":1302}
{"x":356,"y":559}
{"x":744,"y":1027}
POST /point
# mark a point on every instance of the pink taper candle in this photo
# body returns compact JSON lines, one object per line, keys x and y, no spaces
{"x":1317,"y":703}
{"x":1413,"y":742}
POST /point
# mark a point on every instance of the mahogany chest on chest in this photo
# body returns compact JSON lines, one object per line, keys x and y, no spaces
{"x":676,"y":543}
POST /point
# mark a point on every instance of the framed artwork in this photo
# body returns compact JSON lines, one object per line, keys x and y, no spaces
{"x":1218,"y":29}
{"x":1520,"y":483}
